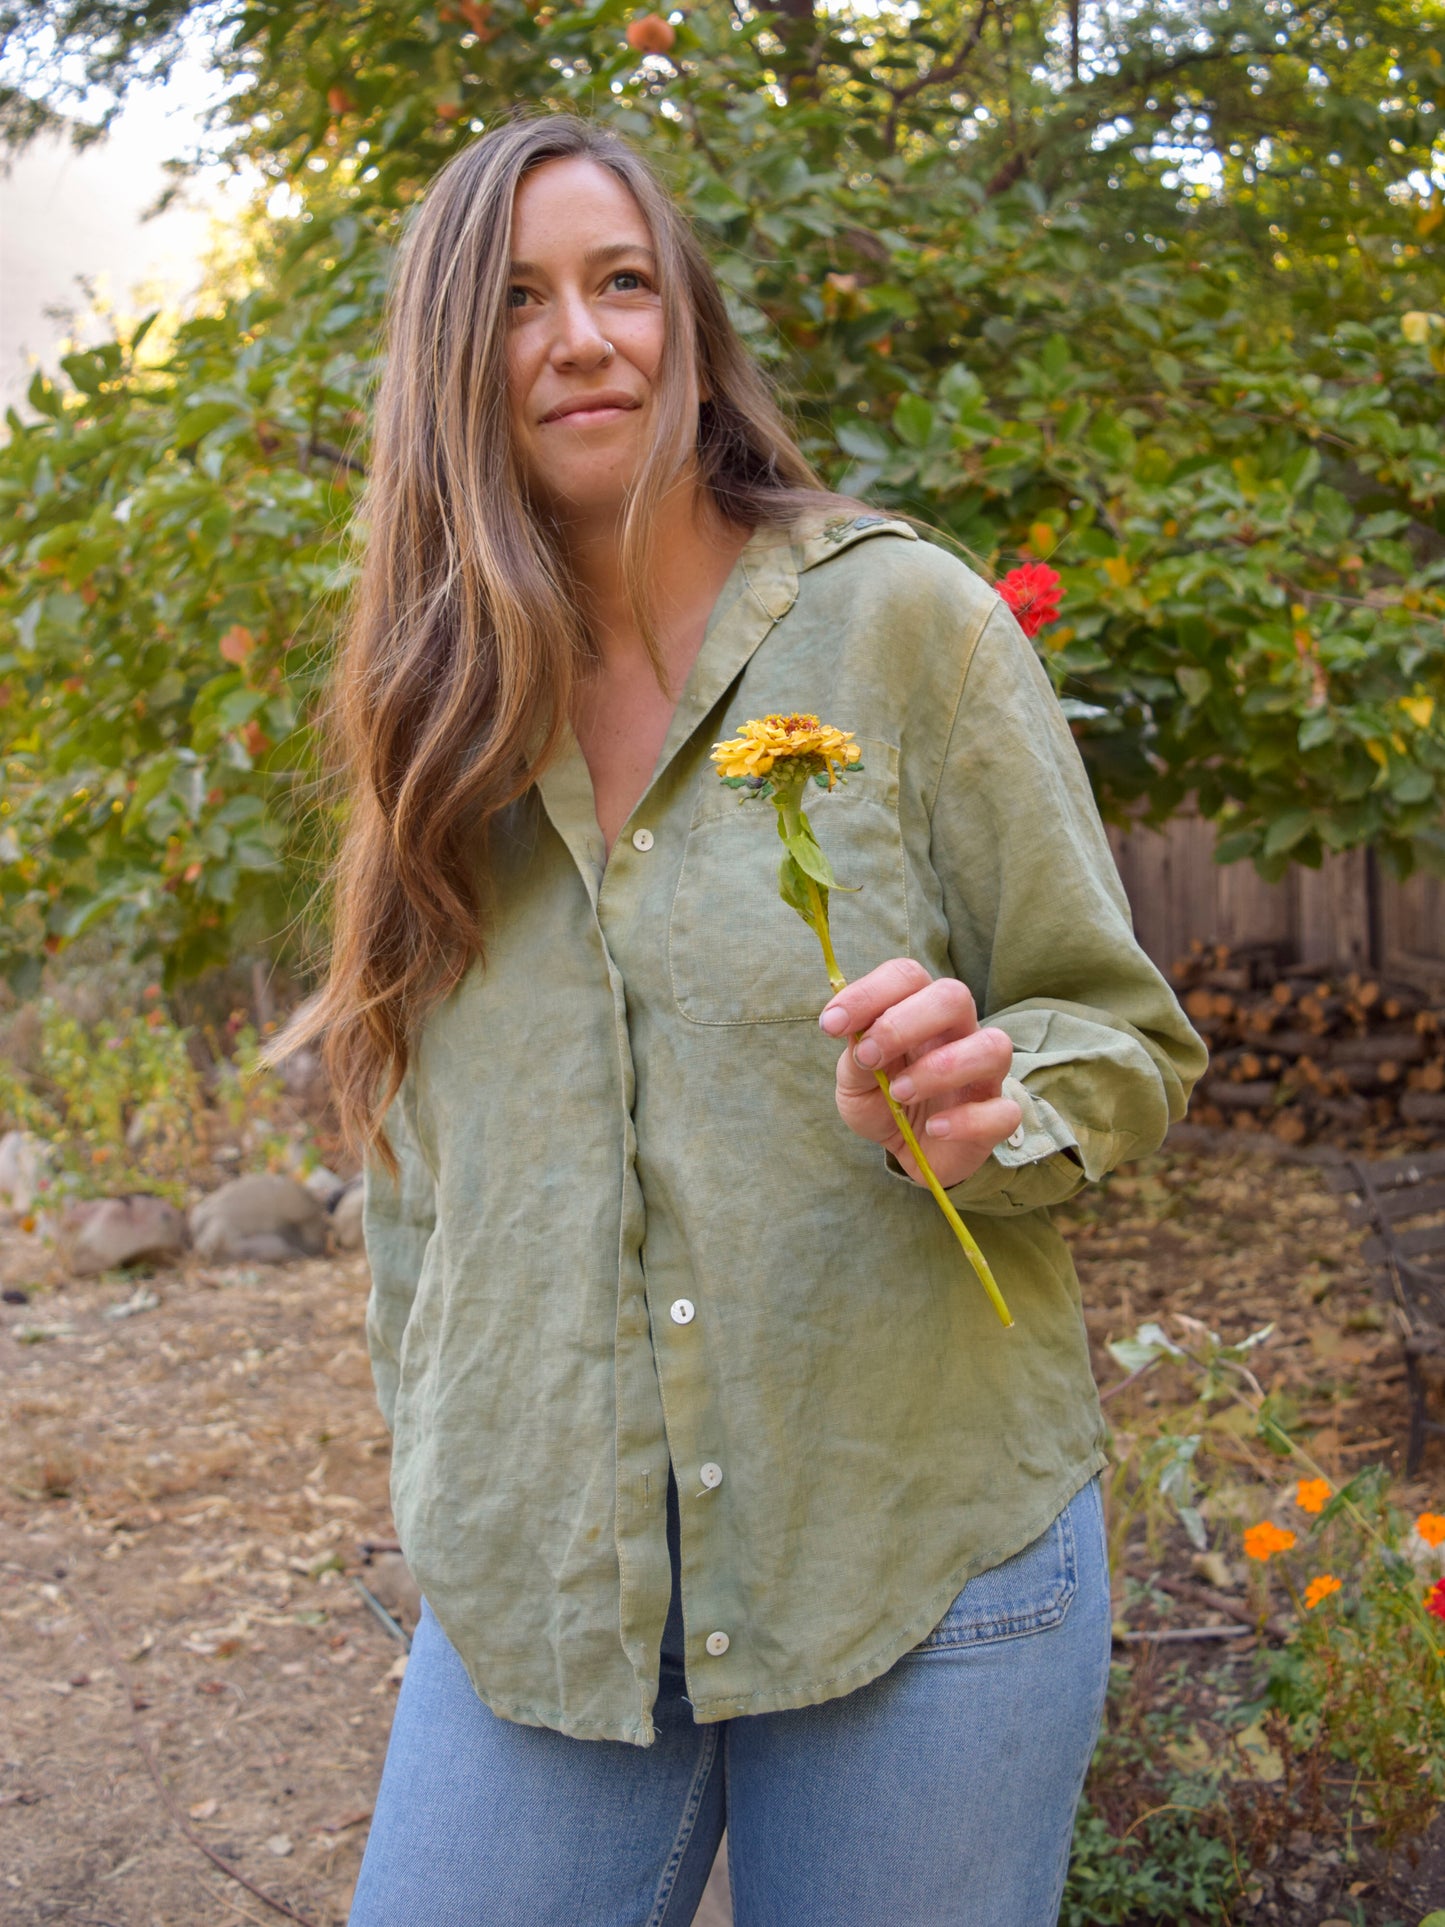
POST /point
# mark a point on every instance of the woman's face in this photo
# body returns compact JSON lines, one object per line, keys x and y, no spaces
{"x":583,"y":276}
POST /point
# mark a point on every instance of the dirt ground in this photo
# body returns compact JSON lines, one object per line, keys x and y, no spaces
{"x":184,"y":1491}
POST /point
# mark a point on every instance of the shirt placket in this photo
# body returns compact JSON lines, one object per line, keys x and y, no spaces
{"x":664,"y":1335}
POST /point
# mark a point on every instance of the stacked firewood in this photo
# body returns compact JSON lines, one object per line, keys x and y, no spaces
{"x":1307,"y":1053}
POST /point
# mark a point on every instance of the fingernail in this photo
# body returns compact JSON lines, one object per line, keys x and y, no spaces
{"x":834,"y":1020}
{"x":903,"y":1089}
{"x":868,"y":1054}
{"x":938,"y":1127}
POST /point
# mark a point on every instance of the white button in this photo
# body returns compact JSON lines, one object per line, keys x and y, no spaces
{"x":1016,"y":1138}
{"x":642,"y":839}
{"x":710,"y":1474}
{"x":717,"y":1644}
{"x":681,"y":1311}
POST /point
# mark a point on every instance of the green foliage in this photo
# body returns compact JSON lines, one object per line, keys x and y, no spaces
{"x":1365,"y":1681}
{"x":1361,"y":1677}
{"x":1174,"y":1862}
{"x":1150,"y":293}
{"x":117,"y":1104}
{"x":172,"y":583}
{"x":251,"y":1101}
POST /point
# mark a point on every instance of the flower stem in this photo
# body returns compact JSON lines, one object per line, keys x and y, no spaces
{"x":945,"y":1204}
{"x":965,"y":1237}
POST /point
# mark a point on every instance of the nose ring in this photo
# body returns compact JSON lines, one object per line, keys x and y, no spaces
{"x":611,"y":351}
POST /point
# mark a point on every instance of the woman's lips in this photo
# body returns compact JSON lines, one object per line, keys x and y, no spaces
{"x":584,"y":414}
{"x":586,"y":417}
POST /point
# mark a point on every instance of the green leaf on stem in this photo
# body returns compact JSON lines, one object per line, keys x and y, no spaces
{"x":1364,"y":1491}
{"x":809,"y":858}
{"x":793,"y":889}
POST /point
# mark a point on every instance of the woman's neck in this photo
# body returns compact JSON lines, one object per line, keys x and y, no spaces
{"x":621,"y":713}
{"x":693,"y":552}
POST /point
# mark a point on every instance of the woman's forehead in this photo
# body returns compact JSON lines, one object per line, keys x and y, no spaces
{"x":575,"y":200}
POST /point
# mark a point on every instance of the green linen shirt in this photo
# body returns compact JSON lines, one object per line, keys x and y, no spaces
{"x":630,"y":1223}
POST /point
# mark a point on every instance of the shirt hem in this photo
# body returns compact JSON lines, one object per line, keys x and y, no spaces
{"x":707,"y":1711}
{"x":637,"y":1733}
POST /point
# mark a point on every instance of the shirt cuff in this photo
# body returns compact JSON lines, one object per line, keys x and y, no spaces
{"x":1037,"y":1165}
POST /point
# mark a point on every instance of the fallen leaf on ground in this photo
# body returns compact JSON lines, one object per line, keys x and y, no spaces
{"x":1263,"y":1759}
{"x":340,"y":1826}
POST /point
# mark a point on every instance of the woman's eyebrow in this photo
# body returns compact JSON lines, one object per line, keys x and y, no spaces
{"x":596,"y":257}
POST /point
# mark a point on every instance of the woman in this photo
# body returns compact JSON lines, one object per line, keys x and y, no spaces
{"x":730,"y":1498}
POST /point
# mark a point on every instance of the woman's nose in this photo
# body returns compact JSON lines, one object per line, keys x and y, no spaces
{"x":578,"y":342}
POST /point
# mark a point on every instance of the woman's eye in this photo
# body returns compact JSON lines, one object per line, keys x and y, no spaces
{"x":631,"y":277}
{"x":516,"y":297}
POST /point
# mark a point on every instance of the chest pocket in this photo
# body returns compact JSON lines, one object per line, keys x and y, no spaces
{"x":737,"y":953}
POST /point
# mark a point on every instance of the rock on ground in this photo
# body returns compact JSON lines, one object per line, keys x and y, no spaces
{"x":324,"y":1186}
{"x":263,"y":1219}
{"x":346,"y":1218}
{"x":22,"y":1165}
{"x":104,"y":1233}
{"x":389,"y":1579}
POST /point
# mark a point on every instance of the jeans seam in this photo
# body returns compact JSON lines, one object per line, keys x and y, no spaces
{"x":1061,"y":1871}
{"x":691,"y":1806}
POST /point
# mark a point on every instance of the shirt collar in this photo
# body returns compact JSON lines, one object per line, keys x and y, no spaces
{"x":759,"y":591}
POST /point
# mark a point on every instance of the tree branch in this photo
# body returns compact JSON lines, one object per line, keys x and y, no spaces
{"x":938,"y":76}
{"x":329,"y":452}
{"x":1016,"y":165}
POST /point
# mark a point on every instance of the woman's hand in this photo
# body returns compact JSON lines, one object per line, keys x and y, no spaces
{"x":944,"y":1071}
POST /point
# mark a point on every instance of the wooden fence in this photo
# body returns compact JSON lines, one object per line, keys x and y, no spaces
{"x":1349,"y":912}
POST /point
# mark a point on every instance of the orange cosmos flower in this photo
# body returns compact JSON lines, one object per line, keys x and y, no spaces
{"x":1320,"y":1588}
{"x":1431,"y":1528}
{"x":1263,"y":1541}
{"x":1313,"y":1495}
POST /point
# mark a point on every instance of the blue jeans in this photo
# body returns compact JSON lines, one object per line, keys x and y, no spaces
{"x":941,"y":1794}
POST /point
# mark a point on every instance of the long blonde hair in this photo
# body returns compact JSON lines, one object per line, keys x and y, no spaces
{"x":465,"y":640}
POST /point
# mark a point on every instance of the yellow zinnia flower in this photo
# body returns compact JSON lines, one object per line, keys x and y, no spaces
{"x":802,"y":740}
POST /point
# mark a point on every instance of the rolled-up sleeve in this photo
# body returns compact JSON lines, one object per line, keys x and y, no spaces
{"x":1104,"y":1057}
{"x":398,"y":1219}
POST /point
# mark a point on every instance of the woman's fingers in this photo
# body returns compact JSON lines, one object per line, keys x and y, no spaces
{"x":924,"y":1034}
{"x":860,"y":1003}
{"x":976,"y":1064}
{"x":977,"y":1125}
{"x":899,"y":1009}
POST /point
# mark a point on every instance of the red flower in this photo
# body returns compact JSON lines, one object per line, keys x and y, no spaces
{"x":1033,"y":591}
{"x":1435,"y":1599}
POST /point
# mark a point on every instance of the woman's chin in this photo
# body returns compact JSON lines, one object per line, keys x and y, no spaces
{"x":585,"y":500}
